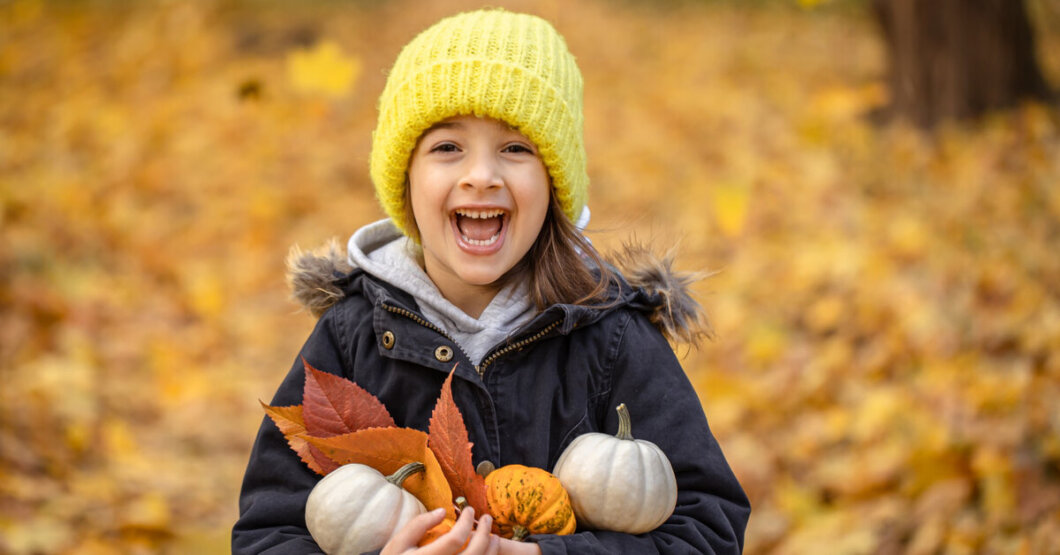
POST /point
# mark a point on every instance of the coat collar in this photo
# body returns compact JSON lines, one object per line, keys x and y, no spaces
{"x":648,"y":282}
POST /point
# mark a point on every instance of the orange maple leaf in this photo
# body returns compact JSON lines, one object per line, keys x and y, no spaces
{"x":387,"y":450}
{"x":291,"y":424}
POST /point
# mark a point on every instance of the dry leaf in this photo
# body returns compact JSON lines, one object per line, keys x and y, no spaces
{"x":120,"y":318}
{"x":289,"y":421}
{"x":387,"y":450}
{"x":333,"y":405}
{"x":324,"y":69}
{"x":448,"y":440}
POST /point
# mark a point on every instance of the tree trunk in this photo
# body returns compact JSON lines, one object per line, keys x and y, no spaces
{"x":957,"y":59}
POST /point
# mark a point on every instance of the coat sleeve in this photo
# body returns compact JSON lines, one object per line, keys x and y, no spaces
{"x":712,"y":509}
{"x":277,"y":483}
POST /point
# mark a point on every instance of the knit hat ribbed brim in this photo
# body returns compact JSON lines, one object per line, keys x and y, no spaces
{"x":489,"y":63}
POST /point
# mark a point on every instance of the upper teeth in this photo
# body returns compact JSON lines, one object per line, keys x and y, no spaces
{"x":479,"y":214}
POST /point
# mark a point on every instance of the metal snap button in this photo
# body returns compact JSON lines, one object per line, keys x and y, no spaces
{"x":484,"y":468}
{"x":388,"y":340}
{"x":443,"y":353}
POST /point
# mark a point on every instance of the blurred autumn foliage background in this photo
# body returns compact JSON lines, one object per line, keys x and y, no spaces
{"x":886,"y":373}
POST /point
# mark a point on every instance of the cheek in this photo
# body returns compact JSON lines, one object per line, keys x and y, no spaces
{"x":541,"y":208}
{"x":542,"y":195}
{"x":422,"y":199}
{"x":534,"y":207}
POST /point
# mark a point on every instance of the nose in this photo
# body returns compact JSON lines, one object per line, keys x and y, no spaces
{"x":482,"y":171}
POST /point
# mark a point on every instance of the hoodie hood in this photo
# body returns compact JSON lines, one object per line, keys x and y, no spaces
{"x":382,"y":251}
{"x":654,"y":286}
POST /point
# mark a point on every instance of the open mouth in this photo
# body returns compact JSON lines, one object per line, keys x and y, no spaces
{"x":480,"y":228}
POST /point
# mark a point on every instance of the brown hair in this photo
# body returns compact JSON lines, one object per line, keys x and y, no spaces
{"x":560,"y":264}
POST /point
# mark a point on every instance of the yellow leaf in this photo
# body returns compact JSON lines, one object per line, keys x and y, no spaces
{"x":323,"y":69}
{"x":909,"y":235}
{"x":118,"y":440}
{"x":730,"y":207}
{"x":765,"y":344}
{"x":37,"y":534}
{"x":843,"y":102}
{"x":826,"y":313}
{"x":148,"y":512}
{"x":796,"y":500}
{"x":205,"y":292}
{"x":878,"y":413}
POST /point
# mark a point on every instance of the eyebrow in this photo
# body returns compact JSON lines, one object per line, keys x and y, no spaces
{"x":456,"y":124}
{"x":443,"y":125}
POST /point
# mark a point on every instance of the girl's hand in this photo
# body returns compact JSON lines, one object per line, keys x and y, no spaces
{"x":509,"y":547}
{"x":482,"y":542}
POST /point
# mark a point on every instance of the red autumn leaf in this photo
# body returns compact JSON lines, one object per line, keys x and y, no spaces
{"x":449,"y":441}
{"x":291,"y":424}
{"x":333,"y":405}
{"x":387,"y":450}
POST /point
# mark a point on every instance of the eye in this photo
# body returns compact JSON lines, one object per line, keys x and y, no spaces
{"x":444,"y":147}
{"x":518,"y":148}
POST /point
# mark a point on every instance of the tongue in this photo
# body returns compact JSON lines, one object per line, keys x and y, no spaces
{"x":479,"y":229}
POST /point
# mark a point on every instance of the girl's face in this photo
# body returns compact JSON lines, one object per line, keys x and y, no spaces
{"x":479,"y":194}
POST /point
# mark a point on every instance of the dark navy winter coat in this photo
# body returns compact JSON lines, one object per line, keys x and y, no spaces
{"x":560,"y":376}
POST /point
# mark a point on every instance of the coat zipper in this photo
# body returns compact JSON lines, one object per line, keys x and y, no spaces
{"x":480,"y":369}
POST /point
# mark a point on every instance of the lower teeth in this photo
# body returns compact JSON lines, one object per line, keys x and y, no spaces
{"x":481,"y":242}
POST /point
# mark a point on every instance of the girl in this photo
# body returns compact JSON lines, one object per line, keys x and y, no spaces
{"x":478,"y":161}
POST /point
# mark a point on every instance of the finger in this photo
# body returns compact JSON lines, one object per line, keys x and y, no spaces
{"x":409,"y":535}
{"x":453,"y":540}
{"x":465,"y":523}
{"x":495,"y":545}
{"x":480,"y":540}
{"x":511,"y":547}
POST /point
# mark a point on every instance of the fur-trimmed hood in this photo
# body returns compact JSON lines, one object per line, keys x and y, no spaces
{"x":315,"y":280}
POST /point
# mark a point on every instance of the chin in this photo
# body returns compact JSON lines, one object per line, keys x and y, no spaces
{"x":483,"y":279}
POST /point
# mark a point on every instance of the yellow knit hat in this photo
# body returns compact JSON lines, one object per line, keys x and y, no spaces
{"x":489,"y":63}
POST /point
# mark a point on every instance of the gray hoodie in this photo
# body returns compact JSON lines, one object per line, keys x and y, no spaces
{"x":381,"y":250}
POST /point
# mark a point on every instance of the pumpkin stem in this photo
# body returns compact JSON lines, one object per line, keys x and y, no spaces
{"x":625,"y":428}
{"x":519,"y":532}
{"x":404,"y":472}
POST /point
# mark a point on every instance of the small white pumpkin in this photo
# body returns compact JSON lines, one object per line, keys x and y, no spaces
{"x":616,"y":482}
{"x":356,"y":509}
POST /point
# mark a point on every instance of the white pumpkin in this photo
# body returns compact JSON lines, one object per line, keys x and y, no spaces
{"x":356,"y":509}
{"x":616,"y":482}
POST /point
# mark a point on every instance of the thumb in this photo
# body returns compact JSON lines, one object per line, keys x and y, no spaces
{"x":409,"y":535}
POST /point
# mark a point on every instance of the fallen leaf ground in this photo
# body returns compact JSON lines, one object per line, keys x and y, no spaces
{"x":887,"y":304}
